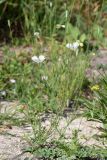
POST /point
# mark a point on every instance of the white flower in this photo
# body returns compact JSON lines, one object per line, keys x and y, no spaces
{"x":35,"y":58}
{"x":36,"y":34}
{"x":50,"y":4}
{"x":12,"y":80}
{"x":73,"y":46}
{"x":39,"y":59}
{"x":69,"y":45}
{"x":58,"y":26}
{"x":44,"y":78}
{"x":3,"y":93}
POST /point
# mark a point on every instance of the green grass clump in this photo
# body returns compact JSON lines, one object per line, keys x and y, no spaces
{"x":44,"y":86}
{"x":49,"y":84}
{"x":23,"y":18}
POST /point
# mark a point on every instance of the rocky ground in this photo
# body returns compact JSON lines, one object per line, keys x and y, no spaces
{"x":13,"y":141}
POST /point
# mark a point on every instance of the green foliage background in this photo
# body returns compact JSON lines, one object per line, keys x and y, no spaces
{"x":24,"y":17}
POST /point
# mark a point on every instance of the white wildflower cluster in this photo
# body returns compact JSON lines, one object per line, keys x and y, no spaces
{"x":38,"y":59}
{"x":74,"y":46}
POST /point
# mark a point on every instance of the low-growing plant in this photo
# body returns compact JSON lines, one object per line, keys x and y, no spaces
{"x":72,"y":150}
{"x":43,"y":83}
{"x":49,"y":84}
{"x":96,"y":106}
